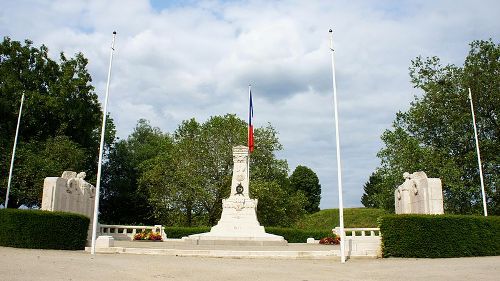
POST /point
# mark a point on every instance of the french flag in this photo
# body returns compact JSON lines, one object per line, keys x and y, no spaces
{"x":250,"y":126}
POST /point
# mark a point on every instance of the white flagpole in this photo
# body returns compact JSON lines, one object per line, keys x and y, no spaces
{"x":14,"y":151}
{"x":478,"y":155}
{"x":339,"y":167}
{"x":248,"y":133}
{"x":99,"y":164}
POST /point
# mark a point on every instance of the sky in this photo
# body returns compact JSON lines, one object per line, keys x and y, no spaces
{"x":175,"y":60}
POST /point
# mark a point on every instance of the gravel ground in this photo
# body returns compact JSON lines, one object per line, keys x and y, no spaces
{"x":28,"y":264}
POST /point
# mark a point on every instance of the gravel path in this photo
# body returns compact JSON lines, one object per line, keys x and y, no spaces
{"x":27,"y":264}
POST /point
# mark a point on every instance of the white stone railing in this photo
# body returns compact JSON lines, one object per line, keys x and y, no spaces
{"x":362,"y":231}
{"x":129,"y":230}
{"x":361,"y":241}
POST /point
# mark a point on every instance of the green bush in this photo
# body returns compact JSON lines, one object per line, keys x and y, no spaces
{"x":179,"y":232}
{"x":439,"y":236}
{"x":293,"y":235}
{"x":38,"y":229}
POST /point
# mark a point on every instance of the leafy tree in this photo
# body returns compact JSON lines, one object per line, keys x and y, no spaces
{"x":60,"y":102}
{"x":187,"y":183}
{"x":122,"y":202}
{"x":304,"y":179}
{"x":373,"y":196}
{"x":277,"y":206}
{"x":436,"y":136}
{"x":174,"y":178}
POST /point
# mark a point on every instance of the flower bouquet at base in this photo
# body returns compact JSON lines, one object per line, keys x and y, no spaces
{"x":330,"y":240}
{"x":148,"y":236}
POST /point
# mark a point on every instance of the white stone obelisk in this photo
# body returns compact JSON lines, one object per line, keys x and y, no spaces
{"x":238,"y":224}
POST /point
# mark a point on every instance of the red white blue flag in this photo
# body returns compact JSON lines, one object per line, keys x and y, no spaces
{"x":250,"y":126}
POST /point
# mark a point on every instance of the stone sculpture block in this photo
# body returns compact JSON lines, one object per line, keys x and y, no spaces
{"x":69,"y":193}
{"x":419,"y":195}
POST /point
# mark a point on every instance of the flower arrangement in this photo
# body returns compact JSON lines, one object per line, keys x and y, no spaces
{"x":330,"y":240}
{"x":154,"y":236}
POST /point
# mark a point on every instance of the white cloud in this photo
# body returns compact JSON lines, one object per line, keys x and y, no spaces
{"x":196,"y":59}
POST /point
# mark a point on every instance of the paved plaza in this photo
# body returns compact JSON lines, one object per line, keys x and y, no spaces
{"x":28,"y":264}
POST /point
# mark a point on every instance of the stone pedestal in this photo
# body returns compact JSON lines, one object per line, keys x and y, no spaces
{"x":238,"y":224}
{"x":104,"y":241}
{"x":419,"y":195}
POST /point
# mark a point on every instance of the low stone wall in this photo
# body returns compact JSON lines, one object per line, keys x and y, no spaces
{"x":362,"y":242}
{"x":127,"y":232}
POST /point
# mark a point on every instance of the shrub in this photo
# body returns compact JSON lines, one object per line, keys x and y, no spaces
{"x":439,"y":236}
{"x":179,"y":232}
{"x":293,"y":235}
{"x":38,"y":229}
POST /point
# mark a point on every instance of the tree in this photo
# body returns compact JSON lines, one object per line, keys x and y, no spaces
{"x":187,"y":183}
{"x":60,"y":104}
{"x":122,"y":202}
{"x":436,"y":136}
{"x":373,"y":196}
{"x":277,"y":206}
{"x":305,"y":180}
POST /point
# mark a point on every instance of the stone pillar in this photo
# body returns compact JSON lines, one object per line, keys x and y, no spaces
{"x":240,"y":170}
{"x":238,"y":223}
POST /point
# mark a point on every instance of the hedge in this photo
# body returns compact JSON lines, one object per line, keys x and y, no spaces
{"x":293,"y":235}
{"x":290,"y":234}
{"x":179,"y":232}
{"x":439,"y":236}
{"x":38,"y":229}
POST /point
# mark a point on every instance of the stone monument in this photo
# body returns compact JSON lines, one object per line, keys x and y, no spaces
{"x":69,"y":193}
{"x":238,"y":224}
{"x":419,"y":195}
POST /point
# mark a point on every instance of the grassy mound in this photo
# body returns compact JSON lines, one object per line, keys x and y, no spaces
{"x":353,"y":217}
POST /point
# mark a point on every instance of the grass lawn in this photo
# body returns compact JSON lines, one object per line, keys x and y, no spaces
{"x":353,"y":217}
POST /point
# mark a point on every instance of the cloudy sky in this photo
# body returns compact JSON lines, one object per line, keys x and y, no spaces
{"x":180,"y":59}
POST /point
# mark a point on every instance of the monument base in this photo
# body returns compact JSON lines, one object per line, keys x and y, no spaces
{"x":207,"y":239}
{"x":238,"y":226}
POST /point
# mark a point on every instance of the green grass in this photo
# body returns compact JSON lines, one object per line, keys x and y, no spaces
{"x":353,"y":217}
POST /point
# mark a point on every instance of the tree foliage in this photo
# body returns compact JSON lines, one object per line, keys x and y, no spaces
{"x":61,"y":114}
{"x":180,"y":179}
{"x":121,"y":200}
{"x":305,"y":180}
{"x":436,"y":135}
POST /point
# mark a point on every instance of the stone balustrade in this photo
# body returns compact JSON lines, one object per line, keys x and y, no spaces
{"x":128,"y":231}
{"x":361,"y":242}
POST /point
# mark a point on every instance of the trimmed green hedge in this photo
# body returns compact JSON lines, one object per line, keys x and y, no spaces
{"x":36,"y":229}
{"x":439,"y":236}
{"x":290,"y":234}
{"x":179,"y":232}
{"x":293,"y":235}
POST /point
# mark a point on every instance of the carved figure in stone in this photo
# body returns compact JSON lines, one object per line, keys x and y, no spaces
{"x":419,"y":195}
{"x":69,"y":193}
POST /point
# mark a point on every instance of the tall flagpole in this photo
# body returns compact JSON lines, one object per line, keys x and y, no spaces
{"x":14,"y":151}
{"x":478,"y":155}
{"x":99,"y":164}
{"x":248,"y":132}
{"x":339,"y":168}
